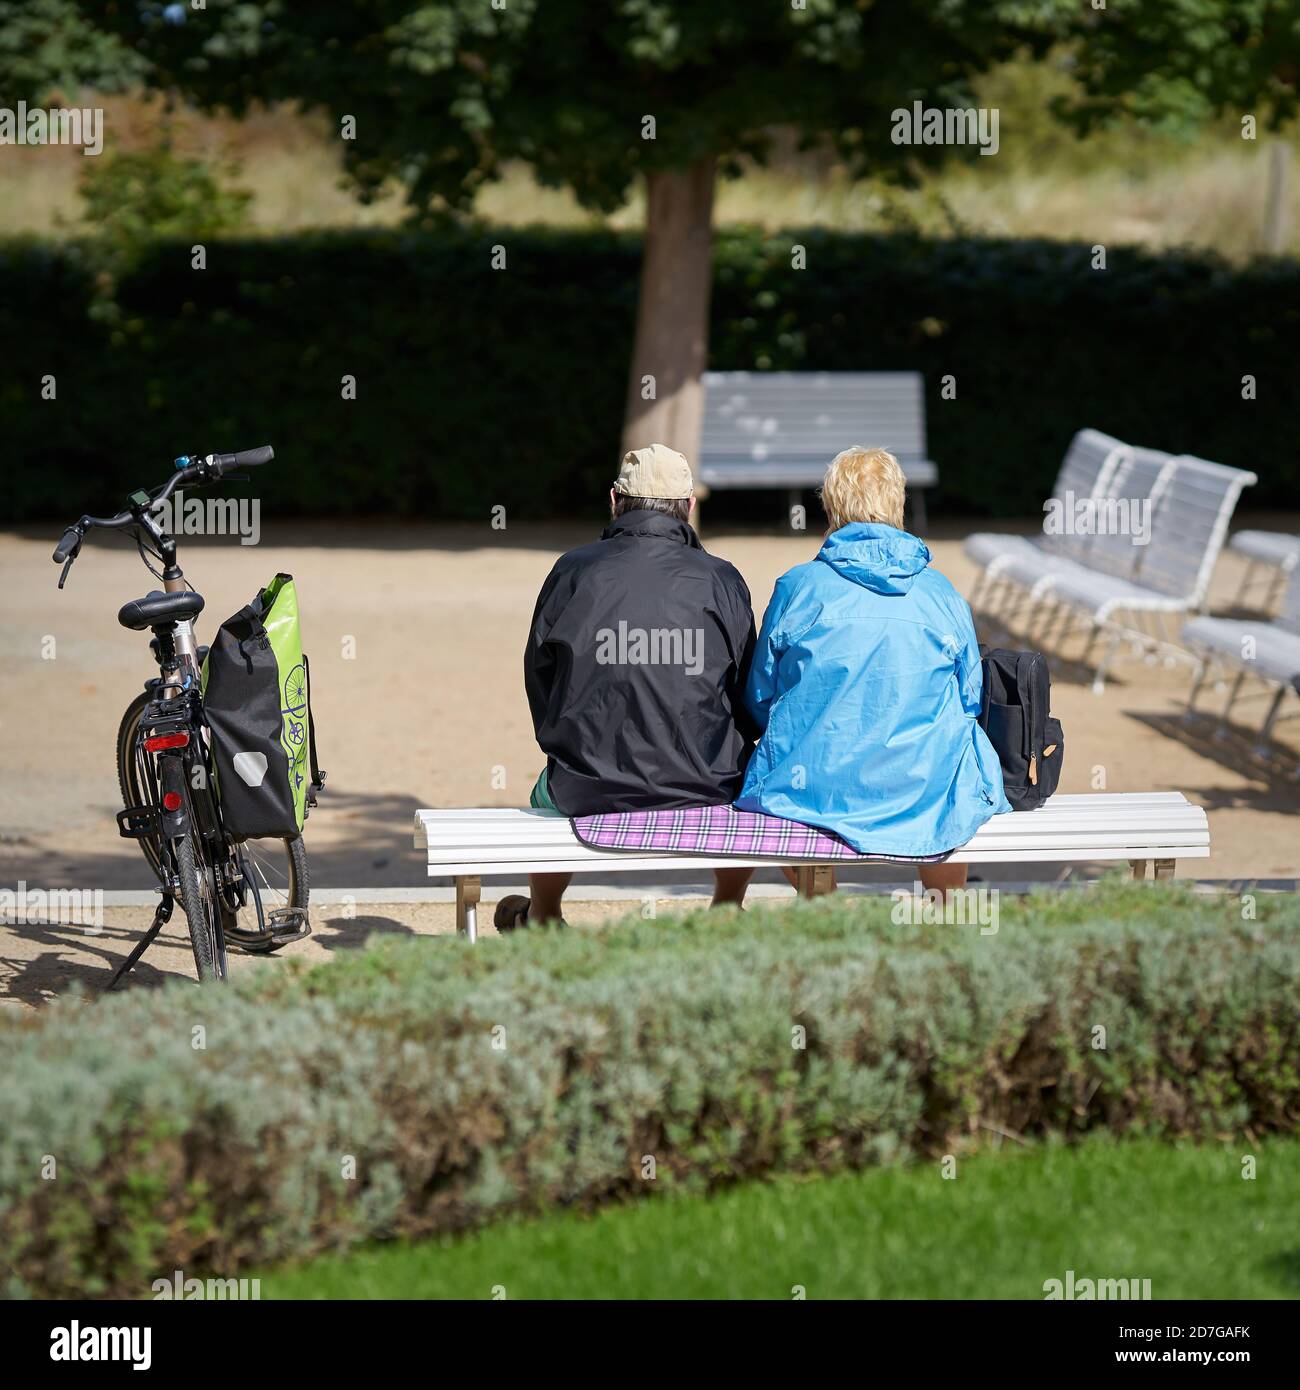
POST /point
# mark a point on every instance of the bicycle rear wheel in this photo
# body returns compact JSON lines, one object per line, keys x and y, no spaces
{"x":276,"y":886}
{"x":200,"y":905}
{"x":136,"y":776}
{"x":274,"y":871}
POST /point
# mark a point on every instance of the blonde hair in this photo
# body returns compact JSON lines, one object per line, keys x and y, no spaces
{"x":863,"y":485}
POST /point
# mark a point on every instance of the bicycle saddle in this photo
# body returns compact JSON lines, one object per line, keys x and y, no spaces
{"x":156,"y":608}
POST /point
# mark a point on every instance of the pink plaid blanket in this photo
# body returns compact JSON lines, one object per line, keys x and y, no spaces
{"x":719,"y":830}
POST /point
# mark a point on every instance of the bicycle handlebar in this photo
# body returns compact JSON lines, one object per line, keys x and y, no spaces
{"x":249,"y":458}
{"x":70,"y":541}
{"x":202,"y":470}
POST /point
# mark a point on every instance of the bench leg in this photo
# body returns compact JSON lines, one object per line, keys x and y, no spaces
{"x":813,"y":880}
{"x":1261,"y":744}
{"x":1246,"y":580}
{"x":1139,"y":867}
{"x":1165,"y":868}
{"x":1198,"y":680}
{"x":1221,"y":728}
{"x":1099,"y":676}
{"x":467,"y":894}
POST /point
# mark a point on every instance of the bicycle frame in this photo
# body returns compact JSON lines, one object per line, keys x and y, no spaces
{"x":183,"y":640}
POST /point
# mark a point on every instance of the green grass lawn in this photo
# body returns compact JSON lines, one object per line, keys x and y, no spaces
{"x":1182,"y":1217}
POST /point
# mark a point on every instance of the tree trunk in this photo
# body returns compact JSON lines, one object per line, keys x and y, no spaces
{"x":672,"y":321}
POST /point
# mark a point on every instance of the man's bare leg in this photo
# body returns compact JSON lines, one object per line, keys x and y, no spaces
{"x":729,"y":886}
{"x":943,"y":877}
{"x":547,"y":894}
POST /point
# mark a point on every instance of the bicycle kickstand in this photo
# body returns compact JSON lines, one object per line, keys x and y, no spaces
{"x":160,"y":919}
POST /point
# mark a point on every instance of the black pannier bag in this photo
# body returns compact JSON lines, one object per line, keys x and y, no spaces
{"x":1014,"y":713}
{"x":256,"y":698}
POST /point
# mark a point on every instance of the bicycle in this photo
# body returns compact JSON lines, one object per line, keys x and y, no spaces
{"x":164,"y":760}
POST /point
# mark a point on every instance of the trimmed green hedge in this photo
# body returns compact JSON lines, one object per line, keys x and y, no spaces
{"x":544,"y":1068}
{"x":478,"y":387}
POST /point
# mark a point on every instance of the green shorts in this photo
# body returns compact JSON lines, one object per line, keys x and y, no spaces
{"x":540,"y":796}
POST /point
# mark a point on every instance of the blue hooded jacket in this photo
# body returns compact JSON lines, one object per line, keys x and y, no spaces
{"x":866,"y":682}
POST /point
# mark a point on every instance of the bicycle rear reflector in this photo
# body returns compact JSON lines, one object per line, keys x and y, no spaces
{"x":171,"y":801}
{"x":158,"y":742}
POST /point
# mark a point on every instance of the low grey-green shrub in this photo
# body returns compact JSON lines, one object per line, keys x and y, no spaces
{"x":458,"y":1084}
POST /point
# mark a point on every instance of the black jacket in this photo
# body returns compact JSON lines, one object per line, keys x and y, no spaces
{"x":635,"y":671}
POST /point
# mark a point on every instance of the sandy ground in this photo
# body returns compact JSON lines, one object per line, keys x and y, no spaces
{"x":41,"y":961}
{"x":416,"y":634}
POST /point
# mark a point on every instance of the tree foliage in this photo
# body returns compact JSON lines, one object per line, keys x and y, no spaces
{"x":444,"y":93}
{"x":1179,"y":62}
{"x":58,"y":47}
{"x":133,"y":198}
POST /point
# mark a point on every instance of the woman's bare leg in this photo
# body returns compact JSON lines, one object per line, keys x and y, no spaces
{"x":547,"y":893}
{"x":729,"y":886}
{"x":943,"y":877}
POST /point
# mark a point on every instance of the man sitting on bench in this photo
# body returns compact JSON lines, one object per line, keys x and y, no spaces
{"x":635,"y":671}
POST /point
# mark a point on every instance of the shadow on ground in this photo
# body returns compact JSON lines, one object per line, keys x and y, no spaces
{"x":1271,"y":783}
{"x":353,"y":841}
{"x":72,"y":957}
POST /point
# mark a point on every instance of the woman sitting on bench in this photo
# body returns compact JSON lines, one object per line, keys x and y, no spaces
{"x":866,"y":684}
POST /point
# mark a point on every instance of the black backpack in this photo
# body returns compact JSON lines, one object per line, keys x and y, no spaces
{"x":1014,"y":714}
{"x":256,"y":698}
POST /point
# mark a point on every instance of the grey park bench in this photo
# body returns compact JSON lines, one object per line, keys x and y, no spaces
{"x":779,"y":430}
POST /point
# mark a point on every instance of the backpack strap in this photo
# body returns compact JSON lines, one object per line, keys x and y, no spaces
{"x":317,"y":776}
{"x":1032,"y":678}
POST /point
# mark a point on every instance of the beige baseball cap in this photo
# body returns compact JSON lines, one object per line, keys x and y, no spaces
{"x":655,"y":471}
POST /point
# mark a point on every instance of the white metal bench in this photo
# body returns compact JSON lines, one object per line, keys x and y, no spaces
{"x":1276,"y":553}
{"x":1127,"y":591}
{"x":1086,"y":473}
{"x":1138,"y":828}
{"x":1270,"y":651}
{"x":781,"y":429}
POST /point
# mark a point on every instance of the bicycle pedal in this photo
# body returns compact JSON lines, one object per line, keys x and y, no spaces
{"x":288,"y":924}
{"x":137,"y":822}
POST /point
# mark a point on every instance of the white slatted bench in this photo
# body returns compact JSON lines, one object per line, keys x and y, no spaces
{"x":470,"y":844}
{"x":781,"y":429}
{"x":1276,"y":552}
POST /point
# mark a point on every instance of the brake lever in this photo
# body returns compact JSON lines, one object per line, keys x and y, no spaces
{"x":67,"y":565}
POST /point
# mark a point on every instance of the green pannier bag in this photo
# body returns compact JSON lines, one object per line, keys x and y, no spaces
{"x":257,"y":700}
